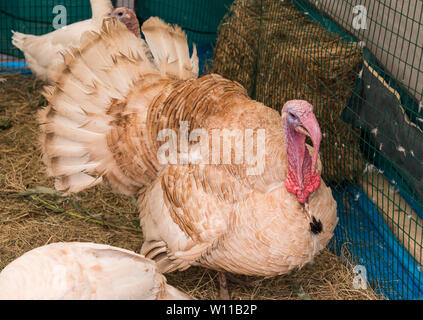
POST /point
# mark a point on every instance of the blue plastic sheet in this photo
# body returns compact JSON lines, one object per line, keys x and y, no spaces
{"x":15,"y":67}
{"x":391,"y":270}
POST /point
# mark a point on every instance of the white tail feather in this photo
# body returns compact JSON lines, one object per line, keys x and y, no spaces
{"x":168,"y":44}
{"x":75,"y":123}
{"x":100,"y":9}
{"x":18,"y":39}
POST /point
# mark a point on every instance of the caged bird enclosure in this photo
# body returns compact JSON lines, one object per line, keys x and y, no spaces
{"x":358,"y":62}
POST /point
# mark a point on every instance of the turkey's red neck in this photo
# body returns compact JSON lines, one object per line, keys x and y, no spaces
{"x":302,"y":178}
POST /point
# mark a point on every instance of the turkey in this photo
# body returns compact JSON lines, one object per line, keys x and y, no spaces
{"x":42,"y":53}
{"x":134,"y":114}
{"x":83,"y":270}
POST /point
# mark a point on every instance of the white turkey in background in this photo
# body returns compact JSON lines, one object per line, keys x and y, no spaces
{"x":83,"y":270}
{"x":43,"y":53}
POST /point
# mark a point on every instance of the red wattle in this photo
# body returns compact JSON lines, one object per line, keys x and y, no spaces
{"x":311,"y":184}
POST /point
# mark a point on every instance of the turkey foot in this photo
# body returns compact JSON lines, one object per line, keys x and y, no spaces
{"x":223,"y":284}
{"x":224,"y":277}
{"x":230,"y":277}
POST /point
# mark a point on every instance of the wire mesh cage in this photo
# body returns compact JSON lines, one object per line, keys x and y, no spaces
{"x":361,"y":73}
{"x":361,"y":66}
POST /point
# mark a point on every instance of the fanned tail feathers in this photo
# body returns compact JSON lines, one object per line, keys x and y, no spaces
{"x":89,"y":112}
{"x":75,"y":123}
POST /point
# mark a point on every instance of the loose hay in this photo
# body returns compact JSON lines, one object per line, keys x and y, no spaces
{"x":279,"y":54}
{"x":31,"y":216}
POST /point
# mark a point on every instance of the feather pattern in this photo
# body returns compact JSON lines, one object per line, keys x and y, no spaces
{"x":168,"y":45}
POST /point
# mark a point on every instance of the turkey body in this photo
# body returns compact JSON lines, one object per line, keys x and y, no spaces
{"x":219,"y":216}
{"x":78,"y":270}
{"x":108,"y":119}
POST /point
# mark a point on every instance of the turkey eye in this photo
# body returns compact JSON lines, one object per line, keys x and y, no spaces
{"x":120,"y":14}
{"x":293,"y":115}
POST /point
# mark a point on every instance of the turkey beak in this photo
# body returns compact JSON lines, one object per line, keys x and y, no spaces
{"x":310,"y":127}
